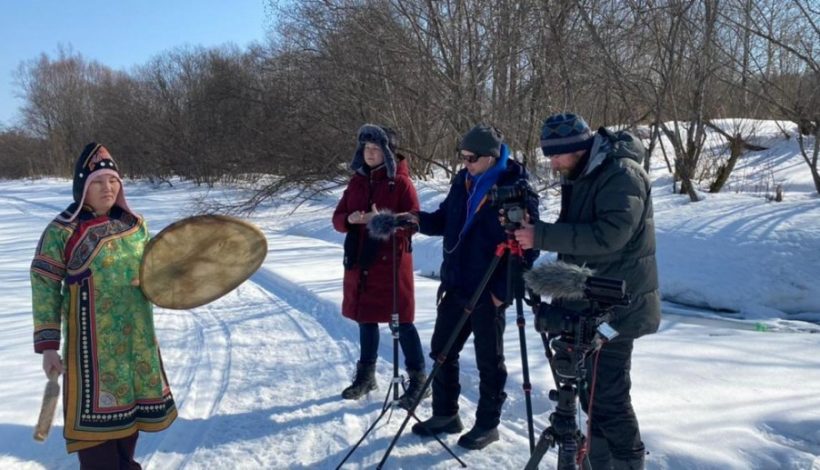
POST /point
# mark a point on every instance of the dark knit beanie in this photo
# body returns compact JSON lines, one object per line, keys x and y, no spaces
{"x":482,"y":140}
{"x":565,"y":133}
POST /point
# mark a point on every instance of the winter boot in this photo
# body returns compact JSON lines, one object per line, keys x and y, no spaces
{"x":438,"y":424}
{"x":364,"y":381}
{"x":412,"y":395}
{"x":478,"y":438}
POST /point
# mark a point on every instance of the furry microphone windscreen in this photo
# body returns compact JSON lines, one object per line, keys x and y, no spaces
{"x":558,"y":280}
{"x":382,"y":225}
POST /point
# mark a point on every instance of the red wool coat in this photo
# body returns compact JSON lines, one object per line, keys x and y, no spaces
{"x":369,"y":299}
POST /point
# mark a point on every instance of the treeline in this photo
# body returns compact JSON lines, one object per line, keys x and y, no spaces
{"x":431,"y":69}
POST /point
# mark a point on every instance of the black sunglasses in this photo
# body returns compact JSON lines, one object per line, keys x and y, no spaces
{"x":472,"y":158}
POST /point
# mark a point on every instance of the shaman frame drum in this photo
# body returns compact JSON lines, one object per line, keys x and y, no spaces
{"x":199,"y":259}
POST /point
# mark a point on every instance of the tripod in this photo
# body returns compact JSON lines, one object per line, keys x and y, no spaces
{"x":588,"y":332}
{"x":515,"y":291}
{"x":509,"y":246}
{"x":563,"y":430}
{"x":397,"y":380}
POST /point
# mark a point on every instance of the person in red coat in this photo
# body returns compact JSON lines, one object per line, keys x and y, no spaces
{"x":381,"y":182}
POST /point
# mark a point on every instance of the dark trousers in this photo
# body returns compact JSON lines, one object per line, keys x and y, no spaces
{"x":117,"y":454}
{"x":408,"y":339}
{"x":487,"y":324}
{"x":614,"y":423}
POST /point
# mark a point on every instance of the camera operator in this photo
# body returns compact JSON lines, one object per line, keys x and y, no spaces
{"x":469,"y":224}
{"x":606,"y":224}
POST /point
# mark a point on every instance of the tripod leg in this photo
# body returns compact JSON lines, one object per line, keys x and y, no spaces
{"x":412,"y":411}
{"x":499,"y":253}
{"x":372,"y":426}
{"x":515,"y":288}
{"x":449,"y":451}
{"x":544,"y":443}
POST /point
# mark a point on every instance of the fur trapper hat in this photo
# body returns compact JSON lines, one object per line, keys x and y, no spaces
{"x":382,"y":136}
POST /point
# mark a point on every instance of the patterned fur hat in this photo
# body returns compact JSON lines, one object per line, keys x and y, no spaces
{"x":382,"y":136}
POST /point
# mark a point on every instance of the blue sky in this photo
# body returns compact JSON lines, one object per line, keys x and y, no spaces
{"x":117,"y":33}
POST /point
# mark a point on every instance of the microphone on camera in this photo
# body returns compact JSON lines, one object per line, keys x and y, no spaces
{"x":559,"y":280}
{"x":385,"y":222}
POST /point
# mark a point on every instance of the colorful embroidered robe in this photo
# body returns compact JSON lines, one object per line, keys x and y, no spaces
{"x":114,"y":383}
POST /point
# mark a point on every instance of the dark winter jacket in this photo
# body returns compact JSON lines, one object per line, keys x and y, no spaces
{"x":466,"y":259}
{"x":368,"y":277}
{"x":606,"y":223}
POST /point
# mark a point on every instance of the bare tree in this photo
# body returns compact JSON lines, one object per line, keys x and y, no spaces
{"x":432,"y":69}
{"x":787,"y":76}
{"x":58,"y":105}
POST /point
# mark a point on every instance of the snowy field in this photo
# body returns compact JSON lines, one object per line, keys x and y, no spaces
{"x":731,"y":380}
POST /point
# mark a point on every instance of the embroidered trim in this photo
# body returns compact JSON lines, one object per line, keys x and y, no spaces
{"x":80,"y":250}
{"x":87,"y":419}
{"x":46,"y":338}
{"x":48,"y":267}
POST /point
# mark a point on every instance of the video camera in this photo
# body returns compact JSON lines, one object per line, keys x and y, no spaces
{"x":576,"y":330}
{"x":574,"y":333}
{"x":513,"y":200}
{"x":603,"y":293}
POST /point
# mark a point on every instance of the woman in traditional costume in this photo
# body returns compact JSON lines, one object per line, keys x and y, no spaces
{"x":85,"y":291}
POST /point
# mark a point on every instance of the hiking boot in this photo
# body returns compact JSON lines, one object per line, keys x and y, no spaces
{"x":478,"y":438}
{"x":413,"y":393}
{"x":438,"y":424}
{"x":364,"y":382}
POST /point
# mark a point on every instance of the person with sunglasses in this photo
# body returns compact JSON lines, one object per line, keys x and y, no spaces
{"x":471,"y":231}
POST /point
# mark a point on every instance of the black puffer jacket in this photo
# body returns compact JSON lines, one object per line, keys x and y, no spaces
{"x":607,"y":224}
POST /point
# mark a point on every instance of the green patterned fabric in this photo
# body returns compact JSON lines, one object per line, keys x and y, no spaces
{"x":82,"y":292}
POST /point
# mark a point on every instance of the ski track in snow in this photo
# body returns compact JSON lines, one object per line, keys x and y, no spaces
{"x":43,"y":210}
{"x":203,"y":348}
{"x":324,"y":345}
{"x":205,"y":377}
{"x":790,"y":436}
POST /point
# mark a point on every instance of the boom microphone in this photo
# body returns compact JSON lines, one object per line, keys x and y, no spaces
{"x":382,"y":225}
{"x":385,"y":222}
{"x":559,"y":280}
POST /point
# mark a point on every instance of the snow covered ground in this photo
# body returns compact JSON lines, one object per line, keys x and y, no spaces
{"x":731,"y":381}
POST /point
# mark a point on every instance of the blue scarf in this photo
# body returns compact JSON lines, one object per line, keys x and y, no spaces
{"x":480,"y":185}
